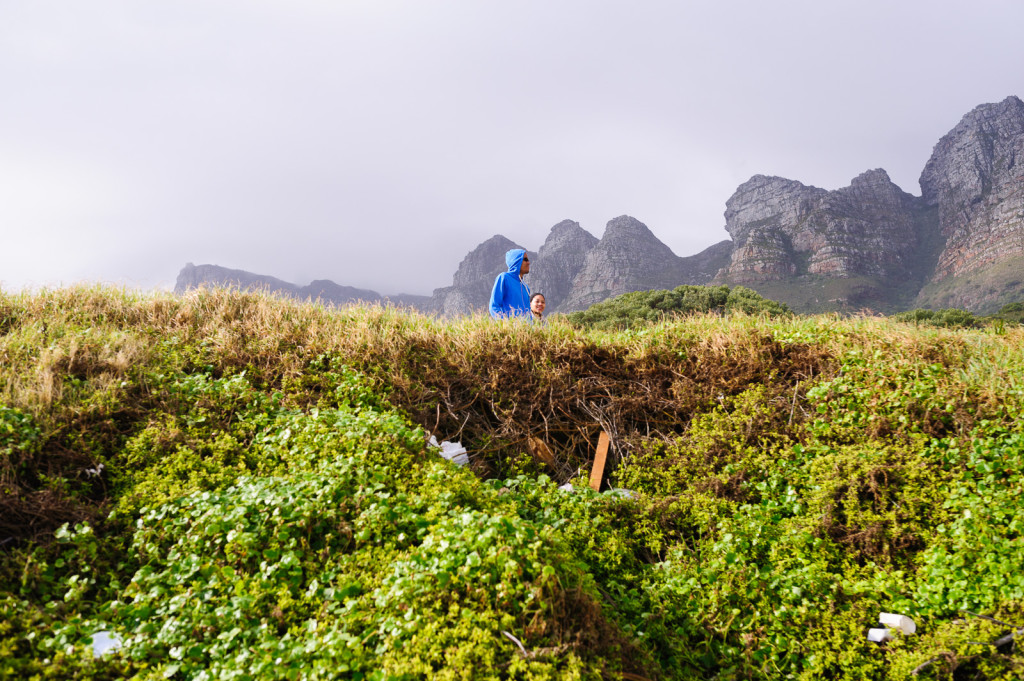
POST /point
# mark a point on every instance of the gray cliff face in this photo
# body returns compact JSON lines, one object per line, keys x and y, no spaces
{"x":870,"y":228}
{"x":783,"y":229}
{"x":975,"y":177}
{"x":560,"y":259}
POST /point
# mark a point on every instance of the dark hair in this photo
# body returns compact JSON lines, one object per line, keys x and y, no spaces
{"x":538,"y":293}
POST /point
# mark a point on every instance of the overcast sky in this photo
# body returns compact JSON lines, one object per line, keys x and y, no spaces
{"x":375,"y":143}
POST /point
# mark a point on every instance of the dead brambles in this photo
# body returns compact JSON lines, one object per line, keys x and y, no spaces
{"x":517,"y":392}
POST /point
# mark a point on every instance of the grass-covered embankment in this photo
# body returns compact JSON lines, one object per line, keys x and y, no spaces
{"x":248,"y":495}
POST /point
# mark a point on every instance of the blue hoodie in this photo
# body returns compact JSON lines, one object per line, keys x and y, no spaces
{"x":510,"y":297}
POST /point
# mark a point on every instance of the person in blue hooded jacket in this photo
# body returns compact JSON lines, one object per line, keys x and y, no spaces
{"x":510,"y":297}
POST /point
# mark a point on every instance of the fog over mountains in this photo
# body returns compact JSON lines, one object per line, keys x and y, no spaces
{"x":868,"y":246}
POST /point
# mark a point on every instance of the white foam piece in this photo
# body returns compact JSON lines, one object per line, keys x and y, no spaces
{"x":897,"y":621}
{"x":879,"y":635}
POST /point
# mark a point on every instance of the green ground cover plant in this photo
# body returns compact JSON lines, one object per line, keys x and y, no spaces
{"x":240,"y":487}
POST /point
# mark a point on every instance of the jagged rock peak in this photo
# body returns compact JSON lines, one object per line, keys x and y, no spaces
{"x":565,"y":227}
{"x":774,"y":181}
{"x":872,"y":192}
{"x":483,"y":262}
{"x":629,"y":234}
{"x":872,"y":178}
{"x":990,"y":114}
{"x":767,"y":201}
{"x":626,"y":226}
{"x":560,"y":259}
{"x":567,"y":232}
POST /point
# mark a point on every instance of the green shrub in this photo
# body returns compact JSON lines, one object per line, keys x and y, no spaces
{"x":950,"y":318}
{"x":643,"y":307}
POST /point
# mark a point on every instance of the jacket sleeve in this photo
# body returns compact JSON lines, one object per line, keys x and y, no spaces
{"x":498,"y":305}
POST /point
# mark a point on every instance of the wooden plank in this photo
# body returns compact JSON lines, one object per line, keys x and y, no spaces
{"x":597,"y":472}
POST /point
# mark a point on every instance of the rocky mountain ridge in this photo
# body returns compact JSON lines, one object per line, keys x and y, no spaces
{"x":870,"y":245}
{"x":193,"y":276}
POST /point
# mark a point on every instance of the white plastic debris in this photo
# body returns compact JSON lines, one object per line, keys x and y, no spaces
{"x":453,"y":451}
{"x":104,"y":642}
{"x":895,"y":621}
{"x":567,"y":487}
{"x":879,"y":635}
{"x":94,"y":472}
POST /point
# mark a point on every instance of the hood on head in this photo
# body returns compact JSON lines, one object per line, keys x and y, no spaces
{"x":514,"y":260}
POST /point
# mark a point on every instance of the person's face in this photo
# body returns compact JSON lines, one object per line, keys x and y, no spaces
{"x":537,"y":304}
{"x":525,"y":267}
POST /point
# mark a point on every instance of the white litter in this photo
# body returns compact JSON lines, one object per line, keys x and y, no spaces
{"x":567,"y":487}
{"x":892,"y":621}
{"x":453,"y":451}
{"x":879,"y":635}
{"x":104,"y":642}
{"x":895,"y":621}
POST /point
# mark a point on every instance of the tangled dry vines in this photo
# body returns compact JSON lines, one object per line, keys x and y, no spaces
{"x":504,"y":404}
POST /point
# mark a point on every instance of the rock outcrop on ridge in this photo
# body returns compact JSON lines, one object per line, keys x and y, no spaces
{"x":781,"y":229}
{"x":871,"y":235}
{"x":873,"y":246}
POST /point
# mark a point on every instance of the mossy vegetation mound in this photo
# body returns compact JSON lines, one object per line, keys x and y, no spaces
{"x":236,"y":486}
